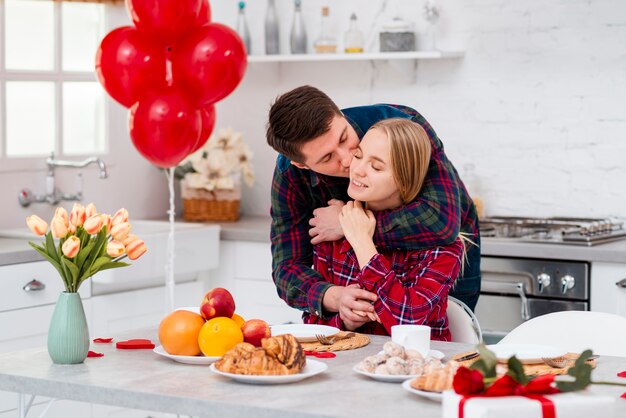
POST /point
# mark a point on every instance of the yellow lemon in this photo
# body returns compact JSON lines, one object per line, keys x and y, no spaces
{"x":218,"y":335}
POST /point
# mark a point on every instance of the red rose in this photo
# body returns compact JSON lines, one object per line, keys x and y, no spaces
{"x":505,"y":386}
{"x":468,"y":382}
{"x":541,"y":385}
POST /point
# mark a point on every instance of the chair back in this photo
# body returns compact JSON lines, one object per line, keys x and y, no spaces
{"x":462,"y":322}
{"x":574,"y":331}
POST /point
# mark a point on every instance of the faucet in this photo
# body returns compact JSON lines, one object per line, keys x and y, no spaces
{"x":53,"y":194}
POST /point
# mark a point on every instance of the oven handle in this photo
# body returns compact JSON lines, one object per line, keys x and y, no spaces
{"x":511,"y":287}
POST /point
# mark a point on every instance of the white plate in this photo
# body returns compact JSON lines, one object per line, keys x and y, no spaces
{"x":203,"y":360}
{"x":526,"y":353}
{"x":433,"y":396}
{"x":391,"y":378}
{"x":305,"y":333}
{"x":312,"y":368}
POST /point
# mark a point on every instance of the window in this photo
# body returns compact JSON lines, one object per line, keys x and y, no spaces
{"x":50,"y":100}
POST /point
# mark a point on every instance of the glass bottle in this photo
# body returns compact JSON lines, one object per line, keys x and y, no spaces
{"x":325,"y":43}
{"x":272,"y":34}
{"x":298,"y":32}
{"x":242,"y":26}
{"x":353,"y":39}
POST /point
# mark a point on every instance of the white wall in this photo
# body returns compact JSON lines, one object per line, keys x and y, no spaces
{"x":537,"y":104}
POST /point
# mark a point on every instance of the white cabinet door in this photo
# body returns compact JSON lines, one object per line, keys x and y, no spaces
{"x":246,"y":271}
{"x":608,"y":288}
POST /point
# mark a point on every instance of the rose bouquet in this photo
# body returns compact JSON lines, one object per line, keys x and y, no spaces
{"x":89,"y":242}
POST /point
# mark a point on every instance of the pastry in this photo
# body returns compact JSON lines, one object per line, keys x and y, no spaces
{"x":393,"y":350}
{"x":438,"y":380}
{"x":279,"y":355}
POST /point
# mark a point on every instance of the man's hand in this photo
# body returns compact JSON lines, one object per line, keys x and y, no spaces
{"x":325,"y":223}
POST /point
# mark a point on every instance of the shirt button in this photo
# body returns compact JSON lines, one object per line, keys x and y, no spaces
{"x":317,"y":313}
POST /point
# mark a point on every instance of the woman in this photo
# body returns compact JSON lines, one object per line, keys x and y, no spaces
{"x":388,"y":171}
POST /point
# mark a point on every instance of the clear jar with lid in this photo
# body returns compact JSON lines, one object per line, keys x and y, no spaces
{"x":397,"y":35}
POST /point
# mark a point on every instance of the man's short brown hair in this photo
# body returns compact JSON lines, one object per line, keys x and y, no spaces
{"x":297,"y":117}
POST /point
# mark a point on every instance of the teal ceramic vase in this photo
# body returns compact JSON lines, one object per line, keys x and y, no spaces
{"x":68,"y":335}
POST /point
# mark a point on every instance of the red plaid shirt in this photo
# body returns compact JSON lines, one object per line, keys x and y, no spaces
{"x":412,"y":286}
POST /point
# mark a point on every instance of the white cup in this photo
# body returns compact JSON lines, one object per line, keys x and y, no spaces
{"x":414,"y":337}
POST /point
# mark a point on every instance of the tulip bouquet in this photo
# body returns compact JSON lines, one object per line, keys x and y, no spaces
{"x":89,"y":242}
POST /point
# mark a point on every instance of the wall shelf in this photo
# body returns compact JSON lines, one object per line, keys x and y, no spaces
{"x":376,"y":56}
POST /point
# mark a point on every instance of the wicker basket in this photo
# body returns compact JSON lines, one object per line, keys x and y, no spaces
{"x":201,"y":205}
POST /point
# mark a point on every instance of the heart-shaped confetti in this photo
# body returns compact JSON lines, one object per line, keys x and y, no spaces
{"x":134,"y":344}
{"x":94,"y":354}
{"x":325,"y":354}
{"x":102,"y":340}
{"x":622,"y":374}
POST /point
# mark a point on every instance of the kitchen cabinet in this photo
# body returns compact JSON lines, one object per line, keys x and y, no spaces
{"x":245,"y":269}
{"x":608,"y":288}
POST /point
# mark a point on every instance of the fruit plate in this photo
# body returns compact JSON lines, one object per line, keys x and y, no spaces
{"x":433,"y":396}
{"x":312,"y":368}
{"x":201,"y":360}
{"x":526,"y":353}
{"x":305,"y":333}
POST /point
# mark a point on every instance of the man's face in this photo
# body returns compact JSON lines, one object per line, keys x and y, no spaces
{"x":331,"y":153}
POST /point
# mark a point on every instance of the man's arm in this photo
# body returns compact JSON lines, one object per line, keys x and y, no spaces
{"x":292,"y":253}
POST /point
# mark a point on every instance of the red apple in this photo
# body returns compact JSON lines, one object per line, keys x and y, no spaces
{"x":217,"y":302}
{"x":254,"y":330}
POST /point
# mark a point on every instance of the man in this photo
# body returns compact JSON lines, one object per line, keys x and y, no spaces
{"x":316,"y":142}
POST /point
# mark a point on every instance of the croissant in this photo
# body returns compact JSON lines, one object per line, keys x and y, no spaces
{"x":279,"y":356}
{"x":438,"y":380}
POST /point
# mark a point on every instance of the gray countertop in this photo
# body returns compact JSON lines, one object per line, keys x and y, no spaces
{"x":142,"y":379}
{"x":257,"y":228}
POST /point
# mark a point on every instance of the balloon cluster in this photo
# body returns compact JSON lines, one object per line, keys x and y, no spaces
{"x":169,"y":70}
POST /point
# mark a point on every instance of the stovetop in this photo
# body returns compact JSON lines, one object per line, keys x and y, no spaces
{"x":574,"y":231}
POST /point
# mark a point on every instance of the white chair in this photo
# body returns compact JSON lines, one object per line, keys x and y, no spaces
{"x":574,"y":331}
{"x":462,"y":322}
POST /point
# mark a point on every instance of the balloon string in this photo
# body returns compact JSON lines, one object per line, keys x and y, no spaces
{"x":169,"y":266}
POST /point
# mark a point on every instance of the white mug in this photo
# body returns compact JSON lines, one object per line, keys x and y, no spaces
{"x":414,"y":337}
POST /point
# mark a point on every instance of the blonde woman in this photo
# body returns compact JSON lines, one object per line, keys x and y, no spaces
{"x":411,"y":286}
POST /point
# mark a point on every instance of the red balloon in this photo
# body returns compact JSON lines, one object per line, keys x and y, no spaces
{"x":164,"y":127}
{"x":209,"y":63}
{"x":207,"y":115}
{"x":128,"y":65}
{"x":204,"y":15}
{"x":164,"y":20}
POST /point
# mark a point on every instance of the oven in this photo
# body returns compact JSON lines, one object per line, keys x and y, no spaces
{"x":514,"y":290}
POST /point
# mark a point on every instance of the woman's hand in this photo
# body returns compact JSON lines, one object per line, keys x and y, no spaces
{"x":358,"y":227}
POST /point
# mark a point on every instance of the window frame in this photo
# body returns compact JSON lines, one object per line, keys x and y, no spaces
{"x":58,"y":76}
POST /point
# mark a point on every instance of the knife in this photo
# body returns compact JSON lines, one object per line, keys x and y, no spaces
{"x":468,"y":356}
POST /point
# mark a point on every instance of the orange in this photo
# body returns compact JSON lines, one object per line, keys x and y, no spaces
{"x":238,"y":319}
{"x":178,"y":333}
{"x":218,"y":335}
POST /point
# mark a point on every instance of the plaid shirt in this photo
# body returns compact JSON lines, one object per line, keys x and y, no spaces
{"x":412,"y":286}
{"x":434,"y":218}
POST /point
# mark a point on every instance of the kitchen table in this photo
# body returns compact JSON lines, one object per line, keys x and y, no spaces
{"x":144,"y":380}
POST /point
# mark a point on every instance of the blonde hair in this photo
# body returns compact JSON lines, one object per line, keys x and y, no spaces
{"x":409,"y":154}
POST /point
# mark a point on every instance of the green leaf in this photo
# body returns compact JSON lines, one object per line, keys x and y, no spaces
{"x":105,"y":266}
{"x":581,"y":371}
{"x":516,"y":371}
{"x":50,"y":247}
{"x":83,"y":254}
{"x":54,"y":263}
{"x":73,"y":271}
{"x":99,"y":244}
{"x":487,"y":362}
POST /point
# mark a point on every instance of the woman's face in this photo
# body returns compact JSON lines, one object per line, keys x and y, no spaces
{"x":371,"y":177}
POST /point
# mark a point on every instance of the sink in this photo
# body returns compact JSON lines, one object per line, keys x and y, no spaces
{"x":196,"y":249}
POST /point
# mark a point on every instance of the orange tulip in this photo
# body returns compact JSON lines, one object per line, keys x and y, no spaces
{"x":120,"y":216}
{"x":71,"y":228}
{"x":136,"y":249}
{"x":62,"y":213}
{"x":120,"y":231}
{"x":130,"y":238}
{"x":77,"y":215}
{"x":37,"y":225}
{"x":58,"y":227}
{"x":93,"y":225}
{"x":115,"y":248}
{"x":90,"y":210}
{"x":107,"y":221}
{"x":71,"y":246}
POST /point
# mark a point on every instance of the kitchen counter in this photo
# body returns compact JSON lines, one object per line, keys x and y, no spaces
{"x":257,"y":228}
{"x":16,"y":251}
{"x":142,"y":379}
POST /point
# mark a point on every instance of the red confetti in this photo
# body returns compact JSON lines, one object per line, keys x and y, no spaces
{"x":623,"y":395}
{"x":326,"y":354}
{"x":622,"y":374}
{"x":135,"y":344}
{"x":102,"y":340}
{"x":94,"y":354}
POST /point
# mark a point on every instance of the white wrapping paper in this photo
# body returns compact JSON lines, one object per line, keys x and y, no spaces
{"x":567,"y":405}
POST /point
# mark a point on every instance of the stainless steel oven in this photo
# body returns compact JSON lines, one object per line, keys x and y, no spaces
{"x":514,"y":290}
